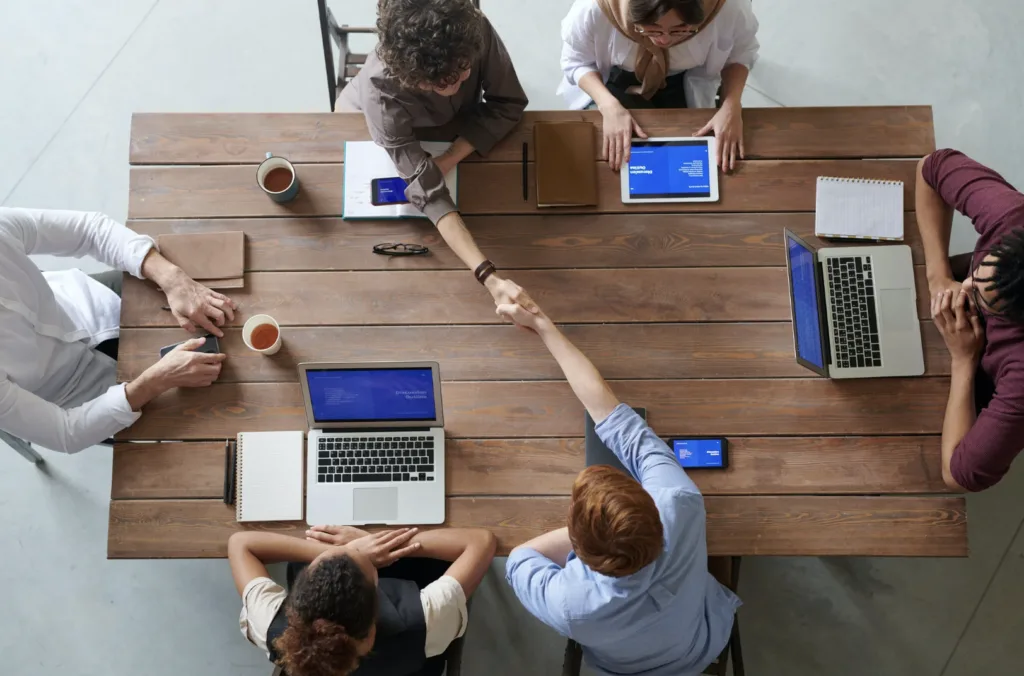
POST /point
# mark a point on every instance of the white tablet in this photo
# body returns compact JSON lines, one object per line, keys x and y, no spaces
{"x":670,"y":170}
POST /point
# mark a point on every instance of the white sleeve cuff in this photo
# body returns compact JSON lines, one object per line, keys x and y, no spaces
{"x":135,"y":251}
{"x":115,"y":400}
{"x":579,"y":72}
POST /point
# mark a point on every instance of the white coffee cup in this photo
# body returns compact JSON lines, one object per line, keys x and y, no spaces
{"x":255,"y":322}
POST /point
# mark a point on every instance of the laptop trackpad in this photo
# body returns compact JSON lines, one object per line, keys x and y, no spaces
{"x":897,"y":310}
{"x":375,"y":505}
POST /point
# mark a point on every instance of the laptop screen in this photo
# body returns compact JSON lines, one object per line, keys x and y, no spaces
{"x":807,"y":320}
{"x":370,"y":395}
{"x":669,"y":169}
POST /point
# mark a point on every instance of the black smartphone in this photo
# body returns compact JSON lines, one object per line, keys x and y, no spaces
{"x":211,"y":346}
{"x":701,"y":452}
{"x":384,"y":191}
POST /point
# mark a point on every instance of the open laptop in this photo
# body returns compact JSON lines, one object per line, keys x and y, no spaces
{"x":854,"y":310}
{"x":375,"y":452}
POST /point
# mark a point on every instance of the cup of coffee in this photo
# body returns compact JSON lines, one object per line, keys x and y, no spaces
{"x":277,"y":177}
{"x":262,"y":334}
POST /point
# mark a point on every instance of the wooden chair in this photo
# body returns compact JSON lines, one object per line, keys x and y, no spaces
{"x":727,"y":571}
{"x":342,"y":69}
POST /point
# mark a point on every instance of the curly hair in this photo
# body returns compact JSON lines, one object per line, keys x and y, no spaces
{"x":650,"y":11}
{"x":331,"y":608}
{"x":614,"y":525}
{"x":428,"y":42}
{"x":1007,"y":277}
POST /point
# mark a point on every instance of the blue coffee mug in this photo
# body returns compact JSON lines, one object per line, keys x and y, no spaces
{"x":276,"y":176}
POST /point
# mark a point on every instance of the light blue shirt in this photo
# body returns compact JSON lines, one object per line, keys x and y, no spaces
{"x":670,"y":618}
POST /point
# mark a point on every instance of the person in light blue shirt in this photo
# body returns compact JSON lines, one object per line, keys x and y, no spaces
{"x":628,"y":577}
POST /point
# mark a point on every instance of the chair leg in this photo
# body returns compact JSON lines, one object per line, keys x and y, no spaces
{"x":736,"y":649}
{"x":23,"y":448}
{"x":328,"y":54}
{"x":572,"y":662}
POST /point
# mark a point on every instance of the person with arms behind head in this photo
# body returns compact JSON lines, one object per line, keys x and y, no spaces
{"x":977,"y":304}
{"x":58,"y":330}
{"x":625,"y":54}
{"x":439,"y":72}
{"x":628,"y":577}
{"x":359,"y":603}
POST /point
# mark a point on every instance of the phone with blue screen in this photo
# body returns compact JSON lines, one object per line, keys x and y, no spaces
{"x":384,"y":191}
{"x":701,"y":452}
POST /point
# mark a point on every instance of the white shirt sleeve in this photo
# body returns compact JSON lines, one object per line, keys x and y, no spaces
{"x":38,"y":421}
{"x":77,"y":234}
{"x":261,"y":599}
{"x":745,"y":45}
{"x":444,"y":612}
{"x":579,"y":55}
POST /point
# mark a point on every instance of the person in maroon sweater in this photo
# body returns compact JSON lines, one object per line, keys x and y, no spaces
{"x":977,"y":303}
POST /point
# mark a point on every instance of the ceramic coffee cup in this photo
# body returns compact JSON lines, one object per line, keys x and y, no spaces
{"x":276,"y":176}
{"x":261,"y":333}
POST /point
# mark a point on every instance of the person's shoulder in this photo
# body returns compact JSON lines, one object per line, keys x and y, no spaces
{"x":586,"y":14}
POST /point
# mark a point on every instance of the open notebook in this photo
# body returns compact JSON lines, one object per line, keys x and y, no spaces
{"x":269,"y":475}
{"x":859,"y":208}
{"x":366,"y":161}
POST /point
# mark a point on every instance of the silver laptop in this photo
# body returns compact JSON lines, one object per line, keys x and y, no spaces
{"x":854,"y":310}
{"x":375,"y":451}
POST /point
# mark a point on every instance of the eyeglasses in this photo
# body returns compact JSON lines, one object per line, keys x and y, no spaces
{"x":399,"y":249}
{"x":674,"y":33}
{"x":982,"y":305}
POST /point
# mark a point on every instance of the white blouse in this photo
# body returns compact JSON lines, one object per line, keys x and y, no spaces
{"x":591,"y":43}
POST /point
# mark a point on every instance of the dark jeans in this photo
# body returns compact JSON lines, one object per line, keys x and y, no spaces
{"x":984,"y":386}
{"x":112,"y":279}
{"x":672,"y":96}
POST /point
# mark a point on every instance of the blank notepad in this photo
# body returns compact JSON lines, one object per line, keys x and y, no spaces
{"x":860,"y":208}
{"x":269,"y":466}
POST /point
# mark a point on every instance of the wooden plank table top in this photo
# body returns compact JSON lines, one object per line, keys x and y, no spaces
{"x":684,"y":308}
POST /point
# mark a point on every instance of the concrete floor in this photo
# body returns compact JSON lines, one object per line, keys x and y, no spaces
{"x":76,"y":70}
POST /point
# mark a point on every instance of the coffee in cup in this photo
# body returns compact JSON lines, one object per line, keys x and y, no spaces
{"x":277,"y":178}
{"x":261,"y":333}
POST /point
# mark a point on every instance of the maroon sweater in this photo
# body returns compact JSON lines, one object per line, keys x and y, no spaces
{"x":995,"y":208}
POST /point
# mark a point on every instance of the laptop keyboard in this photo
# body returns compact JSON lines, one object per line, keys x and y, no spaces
{"x":854,"y":320}
{"x":351,"y":459}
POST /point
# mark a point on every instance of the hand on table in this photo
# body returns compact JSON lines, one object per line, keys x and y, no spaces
{"x":184,"y":367}
{"x":505,"y":291}
{"x":194,"y":305}
{"x":958,"y":322}
{"x":618,"y":127}
{"x":727,"y":126}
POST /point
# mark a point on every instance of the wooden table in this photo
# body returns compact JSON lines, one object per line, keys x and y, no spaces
{"x":684,"y":307}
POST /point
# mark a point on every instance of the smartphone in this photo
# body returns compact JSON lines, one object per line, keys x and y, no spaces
{"x":385,"y":191}
{"x":211,"y":346}
{"x":701,"y":452}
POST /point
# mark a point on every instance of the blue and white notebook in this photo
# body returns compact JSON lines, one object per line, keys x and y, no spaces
{"x":369,"y":170}
{"x":859,"y":208}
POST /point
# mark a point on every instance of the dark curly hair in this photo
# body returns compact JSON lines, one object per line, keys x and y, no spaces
{"x":428,"y":42}
{"x":649,"y":11}
{"x":332,"y":606}
{"x":1007,"y":277}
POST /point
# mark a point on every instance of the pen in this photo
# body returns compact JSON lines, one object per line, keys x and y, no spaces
{"x":526,"y":194}
{"x":227,"y":470}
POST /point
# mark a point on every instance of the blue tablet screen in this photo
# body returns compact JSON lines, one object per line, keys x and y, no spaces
{"x":669,"y":169}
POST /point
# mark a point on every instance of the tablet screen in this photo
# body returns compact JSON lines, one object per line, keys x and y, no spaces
{"x":669,"y":169}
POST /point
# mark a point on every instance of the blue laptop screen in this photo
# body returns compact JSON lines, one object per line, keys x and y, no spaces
{"x":367,"y":395}
{"x":669,"y":169}
{"x":806,"y":314}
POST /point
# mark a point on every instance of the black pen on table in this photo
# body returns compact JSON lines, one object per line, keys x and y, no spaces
{"x":526,"y":176}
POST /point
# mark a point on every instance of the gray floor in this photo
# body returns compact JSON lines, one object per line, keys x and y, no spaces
{"x":74,"y":71}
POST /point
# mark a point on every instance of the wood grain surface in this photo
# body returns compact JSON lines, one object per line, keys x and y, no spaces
{"x":512,"y":242}
{"x":620,"y":351}
{"x":481,"y":467}
{"x":753,"y":407}
{"x":736,"y":525}
{"x":487,"y":188}
{"x":773,"y":133}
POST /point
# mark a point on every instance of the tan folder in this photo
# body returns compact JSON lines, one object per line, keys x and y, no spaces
{"x":566,"y":165}
{"x":216,"y":259}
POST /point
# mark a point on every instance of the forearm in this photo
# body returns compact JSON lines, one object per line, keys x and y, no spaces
{"x":469,"y":549}
{"x":935,"y":222}
{"x":595,"y":88}
{"x":960,"y":414}
{"x":249,"y":553}
{"x":734,"y":79}
{"x":554,"y":545}
{"x":584,"y":379}
{"x":158,"y":269}
{"x":449,"y":159}
{"x":456,"y":236}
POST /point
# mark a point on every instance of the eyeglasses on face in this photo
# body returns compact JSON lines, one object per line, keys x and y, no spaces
{"x":674,"y":33}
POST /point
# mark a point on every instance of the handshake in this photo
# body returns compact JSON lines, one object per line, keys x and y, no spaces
{"x":515,"y":305}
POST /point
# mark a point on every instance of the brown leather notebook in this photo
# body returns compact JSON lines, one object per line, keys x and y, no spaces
{"x":566,"y":164}
{"x":217,"y":259}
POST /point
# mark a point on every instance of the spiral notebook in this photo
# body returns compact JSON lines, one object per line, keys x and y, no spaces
{"x":269,"y":476}
{"x":859,"y":208}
